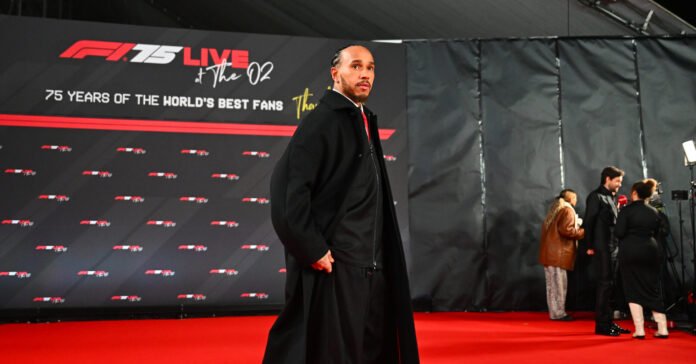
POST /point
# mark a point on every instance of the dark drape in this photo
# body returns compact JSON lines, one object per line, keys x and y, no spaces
{"x":498,"y":127}
{"x":445,"y":177}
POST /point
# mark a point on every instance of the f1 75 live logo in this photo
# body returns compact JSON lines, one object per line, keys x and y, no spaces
{"x":211,"y":61}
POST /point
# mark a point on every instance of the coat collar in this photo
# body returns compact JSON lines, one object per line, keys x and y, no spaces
{"x":556,"y":207}
{"x":336,"y":101}
{"x":602,"y":190}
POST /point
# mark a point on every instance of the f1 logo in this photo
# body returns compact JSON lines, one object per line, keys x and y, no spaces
{"x":115,"y":51}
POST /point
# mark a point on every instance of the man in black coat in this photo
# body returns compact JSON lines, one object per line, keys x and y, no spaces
{"x":347,"y":291}
{"x":599,"y":221}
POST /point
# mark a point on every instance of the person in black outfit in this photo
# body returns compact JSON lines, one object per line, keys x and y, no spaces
{"x":640,"y":257}
{"x":599,"y":221}
{"x":347,"y":291}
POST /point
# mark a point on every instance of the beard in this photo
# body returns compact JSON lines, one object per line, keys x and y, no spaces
{"x":351,"y":94}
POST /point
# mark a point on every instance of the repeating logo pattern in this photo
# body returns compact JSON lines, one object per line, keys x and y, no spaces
{"x":225,"y":271}
{"x":60,"y":148}
{"x":20,"y":171}
{"x":100,"y":174}
{"x":192,"y":296}
{"x":258,"y":247}
{"x":160,"y":272}
{"x":52,"y":248}
{"x":20,"y":222}
{"x":227,"y":176}
{"x":225,"y":223}
{"x":134,"y":199}
{"x":256,"y":295}
{"x":128,"y":247}
{"x":93,"y":273}
{"x":194,"y":247}
{"x":196,"y":152}
{"x":98,"y":223}
{"x":163,"y":223}
{"x":165,"y":175}
{"x":15,"y":274}
{"x":222,"y":196}
{"x":58,"y":198}
{"x":196,"y":199}
{"x":256,"y":153}
{"x":135,"y":248}
{"x":258,"y":200}
{"x":131,"y":150}
{"x":127,"y":298}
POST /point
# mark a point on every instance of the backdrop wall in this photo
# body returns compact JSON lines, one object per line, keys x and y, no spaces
{"x":135,"y":162}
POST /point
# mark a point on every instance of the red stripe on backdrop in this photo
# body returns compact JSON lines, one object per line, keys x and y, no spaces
{"x":162,"y":126}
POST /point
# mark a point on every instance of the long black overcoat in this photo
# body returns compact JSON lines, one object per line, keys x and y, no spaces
{"x":309,"y":186}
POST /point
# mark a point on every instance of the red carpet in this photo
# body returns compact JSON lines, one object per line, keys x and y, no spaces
{"x":443,"y":338}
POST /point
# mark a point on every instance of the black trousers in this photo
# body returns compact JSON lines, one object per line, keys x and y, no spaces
{"x":347,"y":318}
{"x":606,"y":283}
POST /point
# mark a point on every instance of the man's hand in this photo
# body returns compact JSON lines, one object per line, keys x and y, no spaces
{"x":324,"y":263}
{"x":590,"y":251}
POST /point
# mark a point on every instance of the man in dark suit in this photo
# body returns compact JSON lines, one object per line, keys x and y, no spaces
{"x":600,"y":218}
{"x":347,"y":292}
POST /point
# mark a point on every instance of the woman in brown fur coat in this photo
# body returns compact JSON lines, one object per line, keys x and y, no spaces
{"x":559,"y":235}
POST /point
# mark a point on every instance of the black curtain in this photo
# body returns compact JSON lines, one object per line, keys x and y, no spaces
{"x":498,"y":127}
